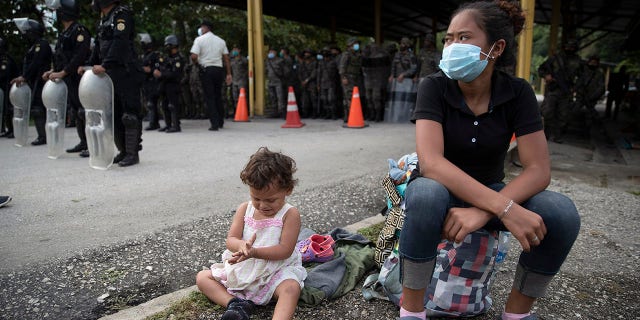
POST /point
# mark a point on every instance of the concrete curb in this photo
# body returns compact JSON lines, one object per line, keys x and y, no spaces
{"x":161,"y":303}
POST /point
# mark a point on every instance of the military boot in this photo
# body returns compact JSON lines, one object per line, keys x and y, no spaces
{"x":175,"y":122}
{"x":40,"y":122}
{"x":131,"y":147}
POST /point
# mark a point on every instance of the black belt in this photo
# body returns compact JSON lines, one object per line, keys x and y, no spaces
{"x":213,"y":67}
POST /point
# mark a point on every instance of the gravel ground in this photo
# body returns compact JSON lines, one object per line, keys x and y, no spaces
{"x":598,"y":281}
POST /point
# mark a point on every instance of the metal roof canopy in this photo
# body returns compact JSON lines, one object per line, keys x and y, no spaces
{"x":414,"y":18}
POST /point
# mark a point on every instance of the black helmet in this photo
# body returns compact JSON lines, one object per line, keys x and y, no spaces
{"x":171,"y":41}
{"x":30,"y":28}
{"x":66,"y":10}
{"x":97,"y":5}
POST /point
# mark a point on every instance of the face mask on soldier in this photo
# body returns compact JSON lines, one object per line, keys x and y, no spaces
{"x":271,"y":55}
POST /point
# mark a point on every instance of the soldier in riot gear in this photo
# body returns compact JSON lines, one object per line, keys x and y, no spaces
{"x":560,"y":73}
{"x":308,"y":74}
{"x":114,"y":54}
{"x":169,"y":73}
{"x":328,"y":87}
{"x":71,"y":51}
{"x":150,"y":61}
{"x":8,"y":71}
{"x":429,"y":57}
{"x":239,"y":73}
{"x":376,"y":68}
{"x":350,"y":69}
{"x":36,"y":62}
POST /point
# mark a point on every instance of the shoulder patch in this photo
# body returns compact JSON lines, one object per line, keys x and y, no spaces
{"x":177,"y":64}
{"x":120,"y":26}
{"x":37,"y":48}
{"x":80,"y":38}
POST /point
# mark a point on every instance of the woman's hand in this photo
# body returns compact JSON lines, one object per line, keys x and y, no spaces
{"x":525,"y":225}
{"x":462,"y":221}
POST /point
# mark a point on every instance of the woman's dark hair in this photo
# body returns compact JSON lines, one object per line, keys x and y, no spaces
{"x":499,"y":19}
{"x":269,"y":169}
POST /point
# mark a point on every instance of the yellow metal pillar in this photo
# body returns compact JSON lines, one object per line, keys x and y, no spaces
{"x":525,"y":48}
{"x":256,"y":56}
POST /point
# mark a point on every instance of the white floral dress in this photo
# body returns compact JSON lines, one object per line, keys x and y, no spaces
{"x":257,"y":279}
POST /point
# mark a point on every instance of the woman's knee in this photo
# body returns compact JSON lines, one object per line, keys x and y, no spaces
{"x":558,"y":212}
{"x":426,"y":195}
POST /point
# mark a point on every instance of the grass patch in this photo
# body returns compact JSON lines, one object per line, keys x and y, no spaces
{"x":634,"y":192}
{"x":372,"y":232}
{"x":188,"y":308}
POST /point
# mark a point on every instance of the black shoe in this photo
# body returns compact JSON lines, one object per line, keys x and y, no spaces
{"x":238,"y":309}
{"x":39,"y":141}
{"x":84,"y":154}
{"x":10,"y":135}
{"x":4,"y":134}
{"x":213,"y":129}
{"x":4,"y":200}
{"x":129,"y":160}
{"x":163,"y":129}
{"x":78,"y":148}
{"x":173,"y":129}
{"x":119,"y":157}
{"x":153,"y":126}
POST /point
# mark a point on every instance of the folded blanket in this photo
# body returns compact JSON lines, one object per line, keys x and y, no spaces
{"x":330,"y":280}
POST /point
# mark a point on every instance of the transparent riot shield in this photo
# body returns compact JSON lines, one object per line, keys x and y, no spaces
{"x":401,"y":102}
{"x":54,"y":98}
{"x":20,"y":97}
{"x":2,"y":106}
{"x":96,"y":96}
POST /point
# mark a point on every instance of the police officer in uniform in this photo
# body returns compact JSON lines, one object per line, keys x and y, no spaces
{"x":169,"y":73}
{"x":36,"y":62}
{"x":350,"y":69}
{"x":72,"y":50}
{"x":8,"y":71}
{"x":114,"y":54}
{"x":560,"y":73}
{"x":376,"y":67}
{"x":429,"y":57}
{"x":239,"y":74}
{"x":150,"y":61}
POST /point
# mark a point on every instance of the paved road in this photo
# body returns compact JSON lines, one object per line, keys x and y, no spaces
{"x":63,"y":206}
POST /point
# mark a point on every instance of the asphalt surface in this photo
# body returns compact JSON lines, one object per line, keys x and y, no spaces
{"x":80,"y":243}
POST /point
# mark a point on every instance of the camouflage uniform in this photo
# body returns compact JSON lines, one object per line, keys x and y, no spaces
{"x":563,"y":68}
{"x":327,"y":75}
{"x":589,"y":89}
{"x":404,"y":64}
{"x":240,"y":74}
{"x":350,"y":69}
{"x":428,"y":58}
{"x":376,"y":68}
{"x":275,"y":77}
{"x":196,"y":109}
{"x":308,"y":74}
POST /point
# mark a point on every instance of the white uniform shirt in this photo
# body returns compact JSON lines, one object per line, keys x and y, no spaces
{"x":210,"y":49}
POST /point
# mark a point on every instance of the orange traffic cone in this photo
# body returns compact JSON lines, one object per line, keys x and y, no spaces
{"x":242,"y":114}
{"x":356,"y":120}
{"x":293,"y":117}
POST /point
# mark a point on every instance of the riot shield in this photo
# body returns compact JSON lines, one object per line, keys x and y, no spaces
{"x":54,"y":98}
{"x":2,"y":106}
{"x":20,"y":97}
{"x":402,"y":101}
{"x":96,"y":96}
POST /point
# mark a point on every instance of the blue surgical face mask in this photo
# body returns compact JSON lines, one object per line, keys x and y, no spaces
{"x":234,"y":53}
{"x":199,"y":31}
{"x":319,"y":57}
{"x":356,"y":47}
{"x":462,"y":62}
{"x":271,"y":55}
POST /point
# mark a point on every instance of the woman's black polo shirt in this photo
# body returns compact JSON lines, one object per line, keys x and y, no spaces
{"x":478,"y":144}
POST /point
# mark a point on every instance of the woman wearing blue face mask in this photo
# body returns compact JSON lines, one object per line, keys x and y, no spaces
{"x":465,"y":117}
